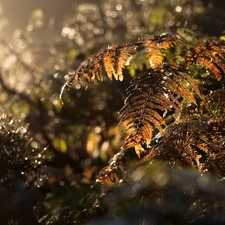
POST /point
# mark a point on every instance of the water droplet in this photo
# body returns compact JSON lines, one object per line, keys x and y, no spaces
{"x":178,"y":9}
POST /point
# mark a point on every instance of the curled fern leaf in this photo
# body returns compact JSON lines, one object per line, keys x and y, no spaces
{"x":211,"y":54}
{"x":151,"y":95}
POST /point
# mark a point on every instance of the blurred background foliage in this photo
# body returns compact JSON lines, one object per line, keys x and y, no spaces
{"x":50,"y":154}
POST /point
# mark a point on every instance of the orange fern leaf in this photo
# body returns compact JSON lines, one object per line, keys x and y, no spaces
{"x":115,"y":59}
{"x":112,"y":60}
{"x":156,"y":46}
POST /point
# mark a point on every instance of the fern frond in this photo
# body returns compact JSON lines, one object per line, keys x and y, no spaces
{"x":114,"y":59}
{"x":151,"y":95}
{"x":115,"y":171}
{"x":196,"y":142}
{"x":111,"y":60}
{"x":211,"y":54}
{"x":156,"y":46}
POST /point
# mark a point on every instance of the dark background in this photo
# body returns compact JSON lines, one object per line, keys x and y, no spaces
{"x":81,"y":135}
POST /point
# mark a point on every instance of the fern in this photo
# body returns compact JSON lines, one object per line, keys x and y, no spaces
{"x":115,"y":172}
{"x":156,"y":45}
{"x":196,"y":142}
{"x":166,"y":119}
{"x":162,"y":42}
{"x":113,"y":59}
{"x":156,"y":90}
{"x":210,"y":54}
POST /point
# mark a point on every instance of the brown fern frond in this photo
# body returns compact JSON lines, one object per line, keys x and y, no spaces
{"x":196,"y":142}
{"x":151,"y":95}
{"x":211,"y":54}
{"x":114,"y":173}
{"x":114,"y":59}
{"x":156,"y":46}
